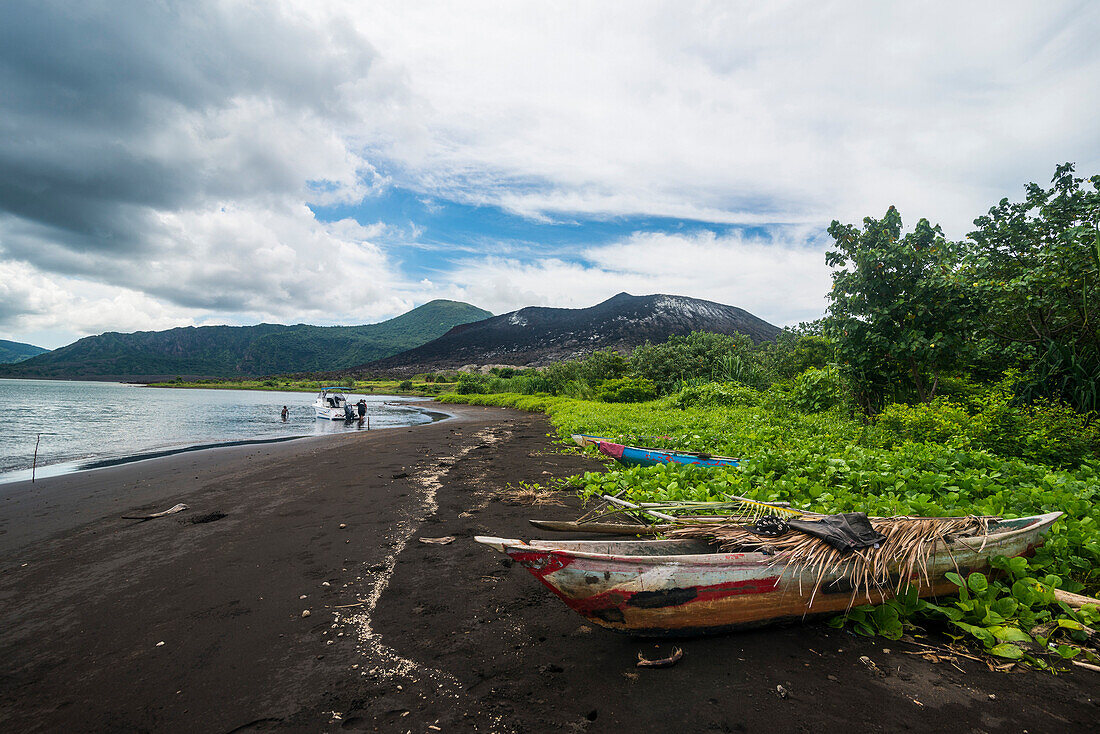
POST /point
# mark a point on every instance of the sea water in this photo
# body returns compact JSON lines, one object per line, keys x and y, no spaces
{"x":85,"y":425}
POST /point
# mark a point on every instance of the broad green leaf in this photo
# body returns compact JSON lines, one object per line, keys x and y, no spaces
{"x":1007,"y":650}
{"x":977,"y":582}
{"x":1011,"y":634}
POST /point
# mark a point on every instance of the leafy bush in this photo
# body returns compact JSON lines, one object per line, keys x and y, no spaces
{"x":1017,"y":618}
{"x":1047,"y":431}
{"x":627,"y":390}
{"x":604,"y":365}
{"x":698,"y":354}
{"x":816,"y":389}
{"x":405,"y":385}
{"x":709,"y":394}
{"x":471,"y":384}
{"x":579,"y":389}
{"x":793,"y":353}
{"x":561,"y":374}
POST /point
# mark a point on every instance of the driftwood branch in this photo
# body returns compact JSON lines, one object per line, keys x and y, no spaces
{"x":1075,"y":601}
{"x":169,"y":511}
{"x":632,"y":506}
{"x":677,"y":653}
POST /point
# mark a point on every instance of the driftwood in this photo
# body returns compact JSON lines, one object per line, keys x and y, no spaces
{"x":602,"y":528}
{"x":632,"y":506}
{"x":677,"y":653}
{"x":169,"y":511}
{"x":1075,"y":601}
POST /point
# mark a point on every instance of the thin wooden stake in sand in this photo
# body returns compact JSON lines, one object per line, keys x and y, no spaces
{"x":169,"y":511}
{"x":34,"y":465}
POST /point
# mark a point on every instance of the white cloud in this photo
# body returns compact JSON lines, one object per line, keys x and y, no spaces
{"x":781,"y":278}
{"x":782,"y":112}
{"x":32,"y":302}
{"x":169,"y":154}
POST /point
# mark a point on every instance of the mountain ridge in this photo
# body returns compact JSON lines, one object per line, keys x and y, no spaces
{"x":242,"y":351}
{"x":12,"y":352}
{"x":537,"y":335}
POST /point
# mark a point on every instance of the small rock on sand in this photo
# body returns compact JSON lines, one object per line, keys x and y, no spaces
{"x":305,"y":612}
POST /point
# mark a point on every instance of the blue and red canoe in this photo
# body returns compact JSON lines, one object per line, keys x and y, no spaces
{"x":638,"y":456}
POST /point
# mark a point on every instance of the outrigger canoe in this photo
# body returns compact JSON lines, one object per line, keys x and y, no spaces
{"x":640,"y":456}
{"x":661,"y":588}
{"x":637,"y":456}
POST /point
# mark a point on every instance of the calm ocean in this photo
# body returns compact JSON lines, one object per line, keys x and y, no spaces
{"x":83,"y":424}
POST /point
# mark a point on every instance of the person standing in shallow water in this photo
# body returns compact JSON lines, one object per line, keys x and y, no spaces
{"x":285,"y":413}
{"x":362,"y":406}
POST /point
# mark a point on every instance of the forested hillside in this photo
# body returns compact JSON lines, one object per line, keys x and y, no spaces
{"x":229,"y":351}
{"x":17,"y":351}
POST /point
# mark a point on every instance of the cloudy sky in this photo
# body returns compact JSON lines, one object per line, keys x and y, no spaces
{"x":185,"y":163}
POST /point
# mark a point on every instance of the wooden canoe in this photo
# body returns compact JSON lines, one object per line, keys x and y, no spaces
{"x":583,"y":439}
{"x":638,"y":456}
{"x":660,"y":588}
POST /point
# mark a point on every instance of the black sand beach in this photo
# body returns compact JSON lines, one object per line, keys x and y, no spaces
{"x":194,"y":622}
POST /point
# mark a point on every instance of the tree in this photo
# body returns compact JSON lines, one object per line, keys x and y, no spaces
{"x":1035,"y":266}
{"x":697,"y":355}
{"x":899,"y":311}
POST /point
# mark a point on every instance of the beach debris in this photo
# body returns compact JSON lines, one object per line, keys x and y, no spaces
{"x":170,"y":511}
{"x":439,"y":541}
{"x":303,"y":596}
{"x":871,"y":666}
{"x":1074,"y":600}
{"x":160,"y":644}
{"x":305,"y":613}
{"x":343,"y":526}
{"x":400,"y":475}
{"x":671,"y":660}
{"x":325,"y":583}
{"x":783,"y":692}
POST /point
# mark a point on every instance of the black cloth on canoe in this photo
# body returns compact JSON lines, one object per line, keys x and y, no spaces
{"x":846,"y":532}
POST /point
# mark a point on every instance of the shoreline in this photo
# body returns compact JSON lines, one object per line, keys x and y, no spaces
{"x":65,"y":468}
{"x":295,"y":594}
{"x":31,"y":511}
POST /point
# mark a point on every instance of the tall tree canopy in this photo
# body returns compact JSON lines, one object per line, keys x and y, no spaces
{"x":899,"y":311}
{"x":1034,"y":266}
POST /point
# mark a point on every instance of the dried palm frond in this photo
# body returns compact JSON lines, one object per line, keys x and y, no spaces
{"x":904,"y":554}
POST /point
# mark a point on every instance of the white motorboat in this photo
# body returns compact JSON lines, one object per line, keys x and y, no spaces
{"x":332,"y":404}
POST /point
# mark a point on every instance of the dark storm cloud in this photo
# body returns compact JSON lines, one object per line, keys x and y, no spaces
{"x":93,"y":114}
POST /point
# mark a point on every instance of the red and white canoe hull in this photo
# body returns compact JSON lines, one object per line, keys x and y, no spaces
{"x":666,"y":587}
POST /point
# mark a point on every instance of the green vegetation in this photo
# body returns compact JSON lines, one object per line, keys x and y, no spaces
{"x":11,"y":352}
{"x":830,"y":461}
{"x":948,"y":379}
{"x":243,"y":351}
{"x":425,"y":385}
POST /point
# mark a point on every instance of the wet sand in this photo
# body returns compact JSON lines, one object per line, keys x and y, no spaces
{"x":402,"y":636}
